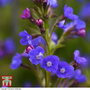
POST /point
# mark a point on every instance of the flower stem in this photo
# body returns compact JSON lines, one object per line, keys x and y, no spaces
{"x":56,"y":23}
{"x":58,"y":81}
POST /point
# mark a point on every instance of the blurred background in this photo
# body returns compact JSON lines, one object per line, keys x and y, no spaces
{"x":11,"y":24}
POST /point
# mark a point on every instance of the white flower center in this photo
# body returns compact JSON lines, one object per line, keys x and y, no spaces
{"x":62,"y":70}
{"x":27,"y":37}
{"x":49,"y":63}
{"x":39,"y":55}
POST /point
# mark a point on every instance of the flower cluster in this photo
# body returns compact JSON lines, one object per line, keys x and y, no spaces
{"x":78,"y":58}
{"x":76,"y":27}
{"x":39,"y":50}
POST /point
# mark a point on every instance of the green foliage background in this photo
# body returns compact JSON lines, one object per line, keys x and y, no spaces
{"x":7,"y":29}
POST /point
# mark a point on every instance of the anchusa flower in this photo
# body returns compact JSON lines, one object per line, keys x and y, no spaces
{"x":16,"y":61}
{"x":26,"y":14}
{"x":40,"y":47}
{"x":50,"y":63}
{"x":75,"y":28}
{"x":79,"y":77}
{"x":52,"y":3}
{"x":26,"y":38}
{"x":36,"y":55}
{"x":39,"y":41}
{"x":65,"y":70}
{"x":78,"y":58}
{"x":68,"y":12}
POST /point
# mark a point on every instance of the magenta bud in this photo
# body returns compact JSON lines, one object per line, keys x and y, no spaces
{"x":39,"y":22}
{"x":28,"y":49}
{"x":82,"y":32}
{"x":26,"y":14}
{"x":44,"y":1}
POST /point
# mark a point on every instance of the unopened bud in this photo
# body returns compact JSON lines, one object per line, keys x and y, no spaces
{"x":39,"y":22}
{"x":28,"y":49}
{"x":82,"y":32}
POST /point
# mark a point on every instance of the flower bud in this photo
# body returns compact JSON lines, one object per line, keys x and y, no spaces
{"x":39,"y":22}
{"x":82,"y":32}
{"x":28,"y":49}
{"x":26,"y":14}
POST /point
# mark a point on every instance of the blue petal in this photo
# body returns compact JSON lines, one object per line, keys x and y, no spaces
{"x":23,"y":41}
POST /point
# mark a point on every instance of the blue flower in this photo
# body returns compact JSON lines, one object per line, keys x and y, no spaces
{"x":68,"y":26}
{"x":78,"y":28}
{"x":54,"y":37}
{"x":39,"y":41}
{"x":65,"y":70}
{"x":76,"y":54}
{"x":61,"y":24}
{"x":16,"y":61}
{"x":52,"y":3}
{"x":36,"y":55}
{"x":79,"y":77}
{"x":9,"y":46}
{"x":26,"y":38}
{"x":68,"y":12}
{"x":78,"y":59}
{"x":50,"y":63}
{"x":85,"y":11}
{"x":80,"y":24}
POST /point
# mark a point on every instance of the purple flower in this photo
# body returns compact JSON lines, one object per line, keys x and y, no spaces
{"x":78,"y":59}
{"x":61,"y":24}
{"x":80,"y":24}
{"x":16,"y":61}
{"x":50,"y":63}
{"x":9,"y":46}
{"x":78,"y":28}
{"x":26,"y":14}
{"x":68,"y":26}
{"x":79,"y":77}
{"x":68,"y":12}
{"x":85,"y":11}
{"x":26,"y":38}
{"x":54,"y":37}
{"x":39,"y":41}
{"x":52,"y":3}
{"x":65,"y":70}
{"x":76,"y":54}
{"x":36,"y":55}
